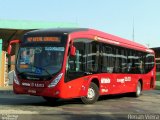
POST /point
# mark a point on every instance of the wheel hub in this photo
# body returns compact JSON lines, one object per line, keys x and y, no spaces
{"x":91,"y":93}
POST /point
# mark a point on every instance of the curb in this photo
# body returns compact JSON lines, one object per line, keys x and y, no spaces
{"x":6,"y":92}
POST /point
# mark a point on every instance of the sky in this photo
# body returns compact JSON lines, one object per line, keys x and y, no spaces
{"x":116,"y":17}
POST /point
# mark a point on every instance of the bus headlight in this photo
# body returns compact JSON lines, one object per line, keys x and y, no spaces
{"x":55,"y":81}
{"x":15,"y":79}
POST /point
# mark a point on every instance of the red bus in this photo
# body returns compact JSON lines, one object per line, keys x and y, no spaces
{"x":81,"y":63}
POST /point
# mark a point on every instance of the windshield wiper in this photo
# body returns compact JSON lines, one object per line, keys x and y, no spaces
{"x":42,"y":69}
{"x":25,"y":72}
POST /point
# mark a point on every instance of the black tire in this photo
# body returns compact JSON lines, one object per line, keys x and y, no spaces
{"x":138,"y":90}
{"x":50,"y":99}
{"x":93,"y":88}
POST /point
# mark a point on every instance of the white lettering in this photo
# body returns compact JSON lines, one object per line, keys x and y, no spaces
{"x":136,"y":117}
{"x":9,"y":117}
{"x":125,"y":79}
{"x":105,"y":80}
{"x":26,"y":84}
{"x":143,"y":116}
{"x":104,"y":90}
{"x":120,"y":80}
{"x":107,"y":40}
{"x":33,"y":84}
{"x":152,"y":117}
{"x":39,"y":85}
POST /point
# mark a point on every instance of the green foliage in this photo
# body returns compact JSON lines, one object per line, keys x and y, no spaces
{"x":158,"y":77}
{"x":157,"y":87}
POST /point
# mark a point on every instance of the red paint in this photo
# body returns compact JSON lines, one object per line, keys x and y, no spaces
{"x":78,"y":87}
{"x":10,"y":45}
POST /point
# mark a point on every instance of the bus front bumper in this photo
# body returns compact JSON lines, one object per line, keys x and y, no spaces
{"x":48,"y":92}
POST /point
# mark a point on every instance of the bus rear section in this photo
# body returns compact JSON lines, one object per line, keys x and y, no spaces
{"x":112,"y":68}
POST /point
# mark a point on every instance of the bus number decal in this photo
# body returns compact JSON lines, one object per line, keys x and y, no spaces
{"x":123,"y":80}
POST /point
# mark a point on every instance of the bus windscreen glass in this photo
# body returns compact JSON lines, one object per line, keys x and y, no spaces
{"x":40,"y":61}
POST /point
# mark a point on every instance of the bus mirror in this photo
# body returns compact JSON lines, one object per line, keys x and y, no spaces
{"x":73,"y":51}
{"x":10,"y":45}
{"x":9,"y":49}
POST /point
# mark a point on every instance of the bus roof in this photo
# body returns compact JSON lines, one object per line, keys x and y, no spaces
{"x":121,"y":41}
{"x":97,"y":35}
{"x":57,"y":30}
{"x":112,"y":39}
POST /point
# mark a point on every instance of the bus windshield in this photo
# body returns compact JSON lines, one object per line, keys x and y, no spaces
{"x":39,"y":62}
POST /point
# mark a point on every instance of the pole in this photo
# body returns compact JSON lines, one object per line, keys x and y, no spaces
{"x":133,"y":30}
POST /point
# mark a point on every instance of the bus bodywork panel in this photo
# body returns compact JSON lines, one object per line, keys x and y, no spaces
{"x":108,"y":84}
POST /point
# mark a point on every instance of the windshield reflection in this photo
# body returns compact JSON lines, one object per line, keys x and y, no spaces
{"x":40,"y":61}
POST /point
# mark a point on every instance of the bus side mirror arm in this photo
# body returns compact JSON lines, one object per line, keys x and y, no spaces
{"x":10,"y":45}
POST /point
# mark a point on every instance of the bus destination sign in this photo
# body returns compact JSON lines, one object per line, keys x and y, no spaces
{"x":43,"y":39}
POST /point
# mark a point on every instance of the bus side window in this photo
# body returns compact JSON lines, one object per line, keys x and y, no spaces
{"x":123,"y":60}
{"x":107,"y":59}
{"x":149,"y":62}
{"x":92,"y":56}
{"x":130,"y":61}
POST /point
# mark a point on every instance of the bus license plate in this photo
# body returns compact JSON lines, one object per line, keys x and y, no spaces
{"x":32,"y":91}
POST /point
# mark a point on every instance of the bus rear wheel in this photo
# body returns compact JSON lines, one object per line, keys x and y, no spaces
{"x":92,"y":95}
{"x":138,"y":90}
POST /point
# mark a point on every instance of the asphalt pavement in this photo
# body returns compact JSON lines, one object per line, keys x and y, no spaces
{"x":110,"y":107}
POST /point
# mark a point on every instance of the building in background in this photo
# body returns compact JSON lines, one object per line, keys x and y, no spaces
{"x":14,"y":29}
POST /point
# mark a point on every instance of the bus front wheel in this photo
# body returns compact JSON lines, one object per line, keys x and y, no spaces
{"x":92,"y":95}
